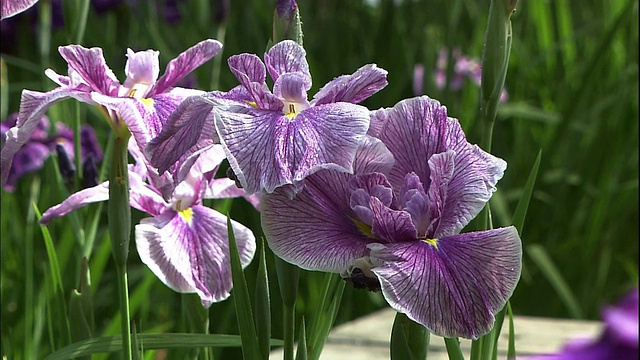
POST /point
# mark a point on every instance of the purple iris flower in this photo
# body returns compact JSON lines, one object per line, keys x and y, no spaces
{"x":13,"y":7}
{"x":394,"y":224}
{"x":32,"y":155}
{"x":277,"y":138}
{"x":619,"y":339}
{"x":184,"y":243}
{"x":143,"y":102}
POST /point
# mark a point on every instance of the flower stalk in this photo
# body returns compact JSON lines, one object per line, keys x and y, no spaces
{"x":119,"y":213}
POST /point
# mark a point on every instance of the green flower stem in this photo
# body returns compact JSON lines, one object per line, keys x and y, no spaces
{"x":453,"y":348}
{"x":288,"y":276}
{"x":289,"y":321}
{"x":119,"y":213}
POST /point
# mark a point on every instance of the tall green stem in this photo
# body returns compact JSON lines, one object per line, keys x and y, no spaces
{"x":119,"y":213}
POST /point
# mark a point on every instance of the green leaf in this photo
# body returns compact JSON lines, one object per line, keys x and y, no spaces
{"x":542,"y":259}
{"x":263,"y":304}
{"x":523,"y":204}
{"x":301,"y":352}
{"x":409,"y":340}
{"x":325,"y":314}
{"x":150,"y":342}
{"x":511,"y":350}
{"x":453,"y":348}
{"x":250,"y":348}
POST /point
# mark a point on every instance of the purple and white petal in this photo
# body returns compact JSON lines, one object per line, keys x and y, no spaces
{"x":33,"y":105}
{"x":189,"y":251}
{"x":224,"y":188}
{"x":391,"y":226}
{"x":191,"y":123}
{"x":14,"y":7}
{"x":353,"y":88}
{"x":144,"y":197}
{"x":142,"y":70}
{"x":454,"y":287}
{"x":286,"y":57}
{"x":415,"y":201}
{"x":315,"y":230}
{"x":90,"y":65}
{"x":247,"y":68}
{"x":185,"y":63}
{"x":292,"y":88}
{"x":372,"y":156}
{"x":76,"y":201}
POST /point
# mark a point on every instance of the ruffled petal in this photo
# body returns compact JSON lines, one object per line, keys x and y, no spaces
{"x":353,"y":88}
{"x":189,"y":127}
{"x":13,"y":7}
{"x":315,"y":230}
{"x":76,"y":201}
{"x":372,"y":156}
{"x":415,"y":201}
{"x":185,"y":63}
{"x":190,"y":252}
{"x":286,"y":57}
{"x":390,"y":225}
{"x":33,"y":105}
{"x":454,"y":287}
{"x":90,"y":65}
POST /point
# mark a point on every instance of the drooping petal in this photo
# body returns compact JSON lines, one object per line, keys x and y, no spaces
{"x":185,"y":63}
{"x":353,"y":88}
{"x":13,"y":7}
{"x":286,"y":57}
{"x":454,"y":287}
{"x":190,"y":126}
{"x":316,"y":229}
{"x":189,"y":252}
{"x":268,"y":149}
{"x":90,"y":65}
{"x":76,"y":201}
{"x":33,"y":105}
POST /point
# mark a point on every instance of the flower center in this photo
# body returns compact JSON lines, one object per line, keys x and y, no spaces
{"x":186,"y":215}
{"x":292,"y":109}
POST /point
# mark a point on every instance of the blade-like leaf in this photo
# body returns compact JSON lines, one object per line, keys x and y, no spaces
{"x":409,"y":340}
{"x":263,"y":304}
{"x":523,"y":204}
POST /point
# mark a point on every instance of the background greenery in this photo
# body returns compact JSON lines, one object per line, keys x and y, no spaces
{"x":573,"y":93}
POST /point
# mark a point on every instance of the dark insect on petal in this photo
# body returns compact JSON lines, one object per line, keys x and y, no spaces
{"x":360,"y":281}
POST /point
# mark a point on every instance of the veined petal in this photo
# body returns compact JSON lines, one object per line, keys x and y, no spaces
{"x":224,"y":188}
{"x":191,"y":123}
{"x":292,"y":87}
{"x":454,"y":286}
{"x":190,"y":252}
{"x":76,"y":201}
{"x":353,"y":88}
{"x":247,"y":68}
{"x":92,"y":68}
{"x":33,"y":105}
{"x":285,"y":57}
{"x":316,"y":229}
{"x":185,"y":63}
{"x":251,"y":73}
{"x":372,"y":156}
{"x":268,"y":149}
{"x":390,"y":225}
{"x":13,"y":7}
{"x":144,"y":197}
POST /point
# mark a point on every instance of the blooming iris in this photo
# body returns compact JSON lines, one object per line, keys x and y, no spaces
{"x":277,"y":138}
{"x":184,"y":243}
{"x":91,"y":81}
{"x":36,"y":150}
{"x":394,"y":224}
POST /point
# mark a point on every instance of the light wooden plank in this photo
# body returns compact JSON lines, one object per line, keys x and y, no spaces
{"x":367,"y":338}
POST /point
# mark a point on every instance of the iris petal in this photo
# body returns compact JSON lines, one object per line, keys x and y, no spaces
{"x":10,"y":8}
{"x":92,"y":68}
{"x":192,"y":254}
{"x":455,"y":287}
{"x":353,"y":88}
{"x":286,"y":57}
{"x":76,"y":201}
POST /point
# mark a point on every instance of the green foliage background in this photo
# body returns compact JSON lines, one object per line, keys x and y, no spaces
{"x":573,"y":93}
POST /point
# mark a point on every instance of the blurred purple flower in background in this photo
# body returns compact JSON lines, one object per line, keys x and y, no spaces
{"x":464,"y":67}
{"x":36,"y":150}
{"x":618,"y":341}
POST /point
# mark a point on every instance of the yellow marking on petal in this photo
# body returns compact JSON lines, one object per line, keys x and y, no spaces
{"x":147,"y":102}
{"x":186,"y":215}
{"x":364,"y":228}
{"x":132,"y":93}
{"x":253,"y":103}
{"x":432,"y":242}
